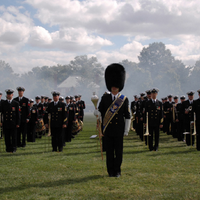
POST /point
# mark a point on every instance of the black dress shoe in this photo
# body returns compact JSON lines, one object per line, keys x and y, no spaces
{"x":23,"y":145}
{"x":14,"y":151}
{"x":54,"y":151}
{"x":118,"y":175}
{"x":111,"y":175}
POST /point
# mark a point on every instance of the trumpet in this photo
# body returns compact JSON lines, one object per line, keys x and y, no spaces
{"x":195,"y":132}
{"x":147,"y":126}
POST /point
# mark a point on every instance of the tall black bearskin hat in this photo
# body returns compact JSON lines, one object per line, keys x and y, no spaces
{"x":115,"y":75}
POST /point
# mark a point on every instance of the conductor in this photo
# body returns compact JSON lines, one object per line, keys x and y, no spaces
{"x":115,"y":113}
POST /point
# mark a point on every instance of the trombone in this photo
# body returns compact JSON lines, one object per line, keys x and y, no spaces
{"x":195,"y":131}
{"x":147,"y":126}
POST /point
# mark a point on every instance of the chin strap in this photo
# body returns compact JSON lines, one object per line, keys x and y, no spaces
{"x":127,"y":126}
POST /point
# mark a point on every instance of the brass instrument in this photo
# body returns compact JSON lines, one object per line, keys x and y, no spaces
{"x":195,"y":132}
{"x":147,"y":126}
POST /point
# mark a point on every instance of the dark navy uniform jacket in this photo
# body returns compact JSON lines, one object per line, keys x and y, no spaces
{"x":58,"y":114}
{"x":24,"y":108}
{"x":155,"y":113}
{"x":11,"y":114}
{"x":41,"y":109}
{"x":117,"y":124}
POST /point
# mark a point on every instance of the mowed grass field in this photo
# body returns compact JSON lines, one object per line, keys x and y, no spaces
{"x":34,"y":172}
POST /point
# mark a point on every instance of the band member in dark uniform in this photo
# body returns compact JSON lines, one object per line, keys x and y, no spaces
{"x":1,"y":100}
{"x":24,"y":115}
{"x":71,"y":118}
{"x":58,"y":121}
{"x":139,"y":116}
{"x":175,"y":118}
{"x":31,"y":126}
{"x":187,"y":108}
{"x":164,"y":119}
{"x":115,"y":112}
{"x":41,"y":113}
{"x":155,"y":119}
{"x":133,"y":111}
{"x":11,"y":121}
{"x":180,"y":113}
{"x":81,"y":108}
{"x":168,"y":107}
{"x":196,"y":109}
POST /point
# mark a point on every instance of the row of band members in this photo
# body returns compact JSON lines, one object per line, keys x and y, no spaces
{"x":177,"y":118}
{"x":20,"y":117}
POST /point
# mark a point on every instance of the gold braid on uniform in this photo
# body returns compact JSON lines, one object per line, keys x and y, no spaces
{"x":65,"y":120}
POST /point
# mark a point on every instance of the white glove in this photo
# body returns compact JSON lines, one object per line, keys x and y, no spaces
{"x":97,"y":114}
{"x":127,"y":126}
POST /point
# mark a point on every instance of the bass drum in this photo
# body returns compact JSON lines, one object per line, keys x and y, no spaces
{"x":40,"y":126}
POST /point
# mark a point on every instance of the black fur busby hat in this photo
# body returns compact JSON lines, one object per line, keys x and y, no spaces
{"x":115,"y":75}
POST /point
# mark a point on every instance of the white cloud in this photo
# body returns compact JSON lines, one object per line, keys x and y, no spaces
{"x":150,"y":17}
{"x":85,"y":26}
{"x":24,"y":61}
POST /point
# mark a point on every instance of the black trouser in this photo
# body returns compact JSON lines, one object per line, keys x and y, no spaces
{"x":198,"y":137}
{"x":141,"y":130}
{"x":180,"y":130}
{"x":10,"y":139}
{"x":114,"y":152}
{"x":63,"y":136}
{"x":188,"y":136}
{"x":164,"y":125}
{"x":31,"y":127}
{"x":153,"y":131}
{"x":68,"y":132}
{"x":174,"y":130}
{"x":134,"y":124}
{"x":56,"y":138}
{"x":21,"y":131}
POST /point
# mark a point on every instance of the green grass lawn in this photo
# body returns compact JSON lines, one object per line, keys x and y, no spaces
{"x":79,"y":173}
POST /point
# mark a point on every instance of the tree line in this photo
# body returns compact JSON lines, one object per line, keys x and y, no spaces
{"x":157,"y":67}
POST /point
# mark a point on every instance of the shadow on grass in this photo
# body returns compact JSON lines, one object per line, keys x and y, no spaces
{"x":4,"y":154}
{"x":157,"y":153}
{"x":49,"y":184}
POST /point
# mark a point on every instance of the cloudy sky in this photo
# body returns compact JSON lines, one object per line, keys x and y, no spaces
{"x":49,"y":32}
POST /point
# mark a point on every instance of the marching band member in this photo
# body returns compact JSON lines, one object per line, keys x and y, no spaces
{"x":11,"y":121}
{"x":155,"y":119}
{"x":115,"y":113}
{"x":24,"y":115}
